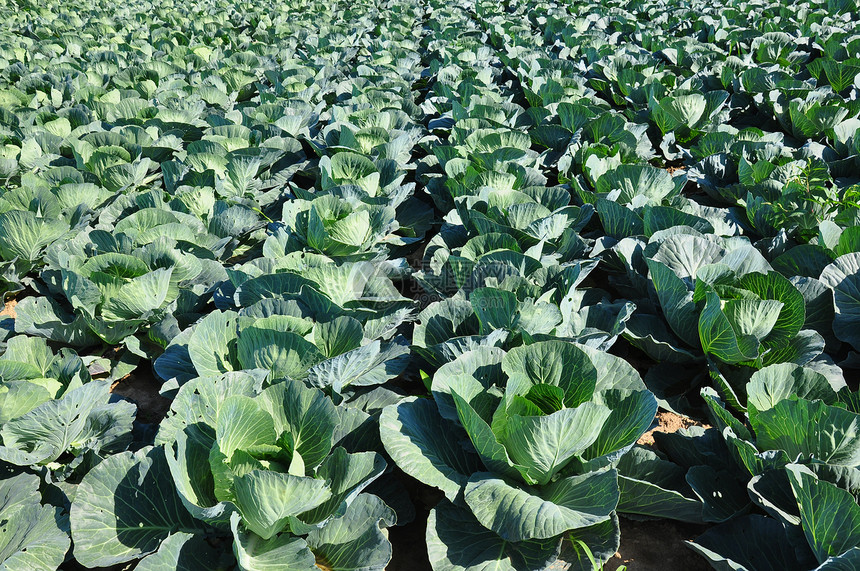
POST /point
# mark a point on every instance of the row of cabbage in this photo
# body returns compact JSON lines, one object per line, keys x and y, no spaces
{"x":231,"y":200}
{"x":222,"y":201}
{"x":749,"y":289}
{"x":776,"y":228}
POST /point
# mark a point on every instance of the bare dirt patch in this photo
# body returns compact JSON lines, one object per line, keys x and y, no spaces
{"x":141,"y":387}
{"x":8,"y":310}
{"x":668,"y":422}
{"x":656,"y":546}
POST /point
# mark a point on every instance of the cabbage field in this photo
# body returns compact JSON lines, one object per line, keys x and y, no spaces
{"x":313,"y":284}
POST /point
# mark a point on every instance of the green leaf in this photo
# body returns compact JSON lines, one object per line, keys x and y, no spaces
{"x":631,"y":416}
{"x":125,"y":507}
{"x":573,"y":116}
{"x":752,"y":174}
{"x":829,"y":515}
{"x":492,"y":453}
{"x":545,"y":444}
{"x":271,"y":286}
{"x":554,"y":363}
{"x":140,"y":296}
{"x":81,"y":292}
{"x":847,"y":561}
{"x":46,"y":318}
{"x":722,"y":418}
{"x":613,"y":372}
{"x":820,"y":310}
{"x":242,"y":424}
{"x":722,"y":496}
{"x":181,"y":552}
{"x":194,"y":410}
{"x":47,"y":431}
{"x":338,"y":336}
{"x":658,"y":218}
{"x":792,"y":315}
{"x":32,"y":537}
{"x":371,"y":364}
{"x":20,"y":397}
{"x":307,"y":414}
{"x":602,"y":541}
{"x":849,"y":241}
{"x":810,"y":429}
{"x":267,"y":500}
{"x":651,"y":486}
{"x":802,"y":349}
{"x":843,"y":276}
{"x":775,"y":383}
{"x":752,"y":319}
{"x":283,"y":552}
{"x":350,"y":168}
{"x":640,"y":183}
{"x":189,"y":429}
{"x":192,"y":470}
{"x":804,"y":260}
{"x":676,"y":299}
{"x":719,"y":337}
{"x":348,"y":475}
{"x":771,"y":490}
{"x":23,"y":235}
{"x":423,"y":446}
{"x":748,"y":542}
{"x":457,"y":542}
{"x":495,"y":308}
{"x":355,"y":540}
{"x":548,"y":398}
{"x":212,"y":345}
{"x":285,"y":353}
{"x":686,"y":109}
{"x":520,"y":514}
{"x":840,"y":74}
{"x":618,"y":221}
{"x":470,"y":375}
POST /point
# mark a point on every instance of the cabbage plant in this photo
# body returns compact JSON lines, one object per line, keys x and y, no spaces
{"x":792,"y":455}
{"x":242,"y":470}
{"x":523,"y":444}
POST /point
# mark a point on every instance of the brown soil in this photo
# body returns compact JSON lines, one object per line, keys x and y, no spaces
{"x":409,"y":549}
{"x":668,"y":422}
{"x":142,"y":388}
{"x":9,"y":309}
{"x":656,"y":546}
{"x":409,"y":552}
